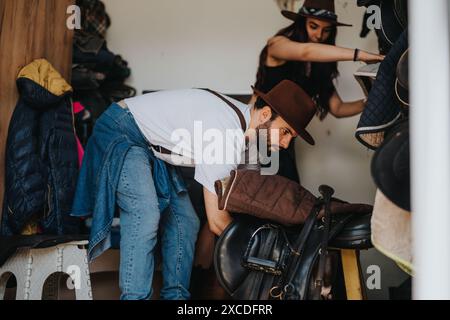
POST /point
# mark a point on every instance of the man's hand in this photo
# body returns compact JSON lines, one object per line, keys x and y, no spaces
{"x":218,"y":220}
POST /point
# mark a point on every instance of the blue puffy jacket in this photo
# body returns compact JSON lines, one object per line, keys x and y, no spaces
{"x":41,"y":155}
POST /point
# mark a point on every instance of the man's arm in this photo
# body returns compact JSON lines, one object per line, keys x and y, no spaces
{"x":218,"y":220}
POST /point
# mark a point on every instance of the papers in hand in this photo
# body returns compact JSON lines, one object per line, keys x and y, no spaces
{"x":366,"y":75}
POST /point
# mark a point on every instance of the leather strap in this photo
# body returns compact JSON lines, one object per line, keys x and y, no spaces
{"x":232,"y":106}
{"x":265,"y":250}
{"x":163,"y":150}
{"x":310,"y":222}
{"x":285,"y":286}
{"x":301,"y":242}
{"x":318,"y":284}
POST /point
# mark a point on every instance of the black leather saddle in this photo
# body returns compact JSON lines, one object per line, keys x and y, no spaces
{"x":356,"y":234}
{"x":9,"y":245}
{"x":252,"y":257}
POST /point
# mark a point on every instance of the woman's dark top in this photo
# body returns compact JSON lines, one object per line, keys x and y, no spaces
{"x":274,"y":75}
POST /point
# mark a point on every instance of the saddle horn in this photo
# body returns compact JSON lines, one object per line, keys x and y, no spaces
{"x":326,"y":192}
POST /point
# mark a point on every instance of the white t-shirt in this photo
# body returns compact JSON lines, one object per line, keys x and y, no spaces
{"x":196,"y":124}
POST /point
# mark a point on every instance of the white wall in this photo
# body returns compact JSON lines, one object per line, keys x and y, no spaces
{"x":216,"y":43}
{"x":192,"y":43}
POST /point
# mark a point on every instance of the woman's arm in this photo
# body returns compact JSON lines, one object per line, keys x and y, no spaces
{"x":281,"y":48}
{"x":341,"y":109}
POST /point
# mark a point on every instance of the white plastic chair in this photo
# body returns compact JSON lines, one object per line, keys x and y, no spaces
{"x":32,"y":268}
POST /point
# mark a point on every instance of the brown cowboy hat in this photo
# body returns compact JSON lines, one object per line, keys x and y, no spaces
{"x":318,"y":9}
{"x":292,"y":104}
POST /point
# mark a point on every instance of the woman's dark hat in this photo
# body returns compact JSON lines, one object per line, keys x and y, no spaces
{"x":292,"y":104}
{"x":318,"y":9}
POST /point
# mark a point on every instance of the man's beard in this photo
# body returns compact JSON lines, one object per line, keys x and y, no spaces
{"x":264,"y":135}
{"x":268,"y":151}
{"x":264,"y":146}
{"x":259,"y":148}
{"x":258,"y":145}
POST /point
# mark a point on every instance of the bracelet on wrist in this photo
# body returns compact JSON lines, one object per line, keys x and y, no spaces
{"x":355,"y":57}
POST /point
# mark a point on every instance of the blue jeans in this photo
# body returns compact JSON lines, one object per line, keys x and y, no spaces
{"x":142,"y":224}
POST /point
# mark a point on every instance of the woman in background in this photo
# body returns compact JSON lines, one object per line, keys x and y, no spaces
{"x":305,"y":52}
